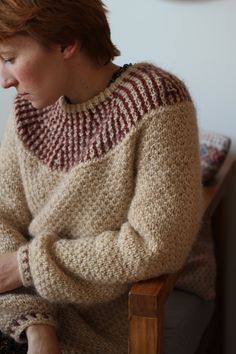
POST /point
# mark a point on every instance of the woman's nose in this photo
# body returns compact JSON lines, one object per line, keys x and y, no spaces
{"x":8,"y":82}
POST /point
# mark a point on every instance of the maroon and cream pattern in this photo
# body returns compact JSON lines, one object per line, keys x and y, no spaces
{"x":23,"y":255}
{"x":96,"y":196}
{"x":62,"y":138}
{"x":15,"y":327}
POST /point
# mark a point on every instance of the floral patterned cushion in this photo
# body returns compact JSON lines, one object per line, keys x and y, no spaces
{"x":213,"y":151}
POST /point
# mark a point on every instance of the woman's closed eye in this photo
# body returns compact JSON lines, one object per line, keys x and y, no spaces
{"x":8,"y":60}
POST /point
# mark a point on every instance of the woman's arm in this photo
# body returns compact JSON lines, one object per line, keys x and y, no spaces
{"x":42,"y":339}
{"x":22,"y":307}
{"x":10,"y":278}
{"x":161,"y":225}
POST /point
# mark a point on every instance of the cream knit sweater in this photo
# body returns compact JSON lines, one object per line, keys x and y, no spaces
{"x":94,"y":197}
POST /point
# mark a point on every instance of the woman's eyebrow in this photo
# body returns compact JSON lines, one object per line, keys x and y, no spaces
{"x":5,"y":51}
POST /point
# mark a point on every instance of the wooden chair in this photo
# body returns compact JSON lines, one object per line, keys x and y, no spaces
{"x":147,"y":298}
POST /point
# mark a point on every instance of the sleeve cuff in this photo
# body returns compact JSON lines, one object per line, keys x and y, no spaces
{"x":24,"y":267}
{"x":18,"y":326}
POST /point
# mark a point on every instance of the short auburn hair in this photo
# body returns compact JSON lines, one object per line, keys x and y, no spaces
{"x":60,"y":22}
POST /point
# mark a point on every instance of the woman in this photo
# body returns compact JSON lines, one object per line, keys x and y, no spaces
{"x":99,"y":175}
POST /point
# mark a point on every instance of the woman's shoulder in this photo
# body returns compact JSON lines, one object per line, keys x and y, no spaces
{"x":155,"y":87}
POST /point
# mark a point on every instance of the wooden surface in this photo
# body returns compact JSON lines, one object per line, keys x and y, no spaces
{"x":214,"y":191}
{"x":147,"y":298}
{"x":146,"y":340}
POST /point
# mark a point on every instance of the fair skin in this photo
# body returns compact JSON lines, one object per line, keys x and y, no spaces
{"x":46,"y":74}
{"x":43,"y":75}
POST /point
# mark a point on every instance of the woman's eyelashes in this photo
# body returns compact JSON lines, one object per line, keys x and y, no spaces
{"x":8,"y":60}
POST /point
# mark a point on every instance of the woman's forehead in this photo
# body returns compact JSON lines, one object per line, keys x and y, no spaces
{"x":6,"y":47}
{"x":16,"y":42}
{"x":10,"y":42}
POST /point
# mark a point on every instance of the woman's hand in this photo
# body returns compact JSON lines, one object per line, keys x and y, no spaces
{"x":42,"y":339}
{"x":9,"y":272}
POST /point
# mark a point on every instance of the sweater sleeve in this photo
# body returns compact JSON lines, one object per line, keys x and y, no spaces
{"x":161,"y":225}
{"x":22,"y":307}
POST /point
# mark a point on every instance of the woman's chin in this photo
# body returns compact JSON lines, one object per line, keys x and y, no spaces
{"x":40,"y":104}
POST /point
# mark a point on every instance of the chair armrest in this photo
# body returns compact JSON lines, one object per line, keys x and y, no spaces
{"x":146,"y":314}
{"x":147,"y":297}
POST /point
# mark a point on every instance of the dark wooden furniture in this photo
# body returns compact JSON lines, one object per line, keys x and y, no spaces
{"x":147,"y":298}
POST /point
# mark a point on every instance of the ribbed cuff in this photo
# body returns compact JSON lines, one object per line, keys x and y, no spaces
{"x":24,"y":267}
{"x":19,"y":325}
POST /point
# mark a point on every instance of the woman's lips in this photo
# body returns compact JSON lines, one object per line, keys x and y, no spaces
{"x":24,"y":95}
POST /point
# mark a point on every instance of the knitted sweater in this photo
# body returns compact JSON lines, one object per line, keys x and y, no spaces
{"x":94,"y":197}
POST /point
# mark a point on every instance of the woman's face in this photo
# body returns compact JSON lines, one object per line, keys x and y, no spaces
{"x":35,"y":71}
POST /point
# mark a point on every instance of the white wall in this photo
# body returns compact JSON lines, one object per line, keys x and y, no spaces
{"x":194,"y":39}
{"x":6,"y":98}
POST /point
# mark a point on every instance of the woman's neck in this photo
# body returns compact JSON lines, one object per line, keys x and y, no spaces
{"x":87,"y":80}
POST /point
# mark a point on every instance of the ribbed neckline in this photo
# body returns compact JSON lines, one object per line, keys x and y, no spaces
{"x":102,"y":96}
{"x":64,"y":134}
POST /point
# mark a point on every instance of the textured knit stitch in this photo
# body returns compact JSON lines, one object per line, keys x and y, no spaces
{"x":94,"y":197}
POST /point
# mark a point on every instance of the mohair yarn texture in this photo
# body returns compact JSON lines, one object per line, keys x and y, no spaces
{"x":94,"y":197}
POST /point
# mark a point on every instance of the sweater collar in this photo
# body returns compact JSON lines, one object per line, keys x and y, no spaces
{"x":92,"y":103}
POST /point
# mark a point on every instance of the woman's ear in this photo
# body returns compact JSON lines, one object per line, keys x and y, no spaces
{"x":68,"y":50}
